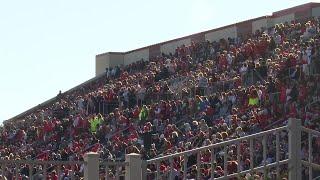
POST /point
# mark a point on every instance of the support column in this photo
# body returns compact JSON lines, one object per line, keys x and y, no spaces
{"x":295,"y":169}
{"x":91,"y":166}
{"x":133,"y":166}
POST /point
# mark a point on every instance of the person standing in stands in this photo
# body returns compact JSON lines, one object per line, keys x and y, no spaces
{"x":202,"y":84}
{"x":253,"y":98}
{"x":143,"y":115}
{"x":147,"y":137}
{"x":95,"y":123}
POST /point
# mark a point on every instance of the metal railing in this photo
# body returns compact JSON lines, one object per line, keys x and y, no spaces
{"x":310,"y":164}
{"x":39,"y":169}
{"x":223,"y":145}
{"x":285,"y":143}
{"x":112,"y":170}
{"x":293,"y":161}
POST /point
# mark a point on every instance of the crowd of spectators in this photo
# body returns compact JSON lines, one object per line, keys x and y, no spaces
{"x":204,"y":93}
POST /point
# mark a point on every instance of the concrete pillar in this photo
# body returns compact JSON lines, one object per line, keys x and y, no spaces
{"x":133,"y":166}
{"x":91,"y":166}
{"x":295,"y":169}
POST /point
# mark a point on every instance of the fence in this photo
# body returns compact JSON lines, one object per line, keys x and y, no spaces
{"x":293,"y":161}
{"x":224,"y":146}
{"x":134,"y":167}
{"x":36,"y":169}
{"x":89,"y":169}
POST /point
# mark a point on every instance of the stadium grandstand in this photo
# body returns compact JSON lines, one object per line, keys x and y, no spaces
{"x":237,"y":102}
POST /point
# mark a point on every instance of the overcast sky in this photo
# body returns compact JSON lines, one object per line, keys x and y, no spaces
{"x":47,"y":46}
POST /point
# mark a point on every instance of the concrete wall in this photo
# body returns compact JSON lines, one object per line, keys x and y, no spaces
{"x":198,"y":37}
{"x":282,"y":19}
{"x":108,"y":60}
{"x":116,"y":59}
{"x":258,"y":24}
{"x":170,"y":47}
{"x":102,"y":61}
{"x":244,"y":28}
{"x":315,"y":11}
{"x":154,"y":50}
{"x":136,"y":56}
{"x":222,"y":33}
{"x":234,"y":30}
{"x":302,"y":15}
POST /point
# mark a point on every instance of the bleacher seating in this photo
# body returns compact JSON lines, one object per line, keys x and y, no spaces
{"x":202,"y":94}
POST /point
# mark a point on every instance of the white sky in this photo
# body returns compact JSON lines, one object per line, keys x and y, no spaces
{"x":47,"y":46}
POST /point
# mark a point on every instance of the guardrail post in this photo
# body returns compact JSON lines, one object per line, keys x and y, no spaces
{"x":133,"y":166}
{"x":294,"y":149}
{"x":91,"y":166}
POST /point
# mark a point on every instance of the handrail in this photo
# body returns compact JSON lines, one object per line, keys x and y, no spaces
{"x":192,"y":151}
{"x":313,"y":165}
{"x":286,"y":161}
{"x":38,"y":162}
{"x":275,"y":123}
{"x":310,"y":131}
